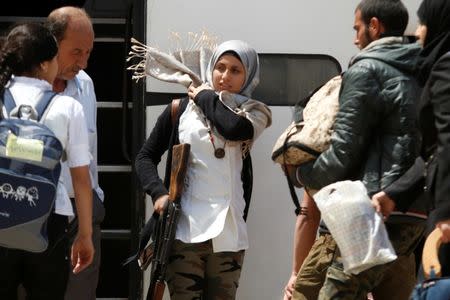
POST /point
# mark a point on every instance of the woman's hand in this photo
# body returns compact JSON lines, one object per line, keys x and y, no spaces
{"x":193,"y":91}
{"x":161,"y":204}
{"x":82,"y":253}
{"x":444,"y":226}
{"x":383,"y":204}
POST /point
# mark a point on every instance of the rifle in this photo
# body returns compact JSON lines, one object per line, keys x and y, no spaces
{"x":167,"y":224}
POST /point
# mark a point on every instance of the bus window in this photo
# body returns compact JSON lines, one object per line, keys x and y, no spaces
{"x":288,"y":78}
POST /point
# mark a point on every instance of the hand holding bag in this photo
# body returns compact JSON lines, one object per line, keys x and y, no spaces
{"x":358,"y":230}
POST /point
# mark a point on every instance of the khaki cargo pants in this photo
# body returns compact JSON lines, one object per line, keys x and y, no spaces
{"x":195,"y":272}
{"x":322,"y":277}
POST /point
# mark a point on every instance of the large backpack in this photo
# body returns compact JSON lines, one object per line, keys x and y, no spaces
{"x":30,"y":155}
{"x":304,"y":139}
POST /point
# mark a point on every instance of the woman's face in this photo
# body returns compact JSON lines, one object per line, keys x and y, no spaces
{"x":421,"y":33}
{"x":228,"y":74}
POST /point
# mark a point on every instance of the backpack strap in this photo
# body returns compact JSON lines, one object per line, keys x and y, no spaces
{"x":44,"y":104}
{"x":8,"y":101}
{"x":40,"y":107}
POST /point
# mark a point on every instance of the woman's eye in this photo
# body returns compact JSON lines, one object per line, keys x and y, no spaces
{"x":220,"y":68}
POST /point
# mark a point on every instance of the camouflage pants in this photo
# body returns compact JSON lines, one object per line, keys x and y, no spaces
{"x":195,"y":272}
{"x":322,"y":277}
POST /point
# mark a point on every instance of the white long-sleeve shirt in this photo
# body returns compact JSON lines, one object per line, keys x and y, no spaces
{"x":81,"y":88}
{"x":212,"y":201}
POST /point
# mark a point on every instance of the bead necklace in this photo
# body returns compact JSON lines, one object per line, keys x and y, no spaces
{"x":218,"y":152}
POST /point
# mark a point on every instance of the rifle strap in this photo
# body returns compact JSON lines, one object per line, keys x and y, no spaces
{"x":144,"y":237}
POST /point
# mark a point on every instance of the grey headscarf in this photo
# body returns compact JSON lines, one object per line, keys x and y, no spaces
{"x":249,"y":59}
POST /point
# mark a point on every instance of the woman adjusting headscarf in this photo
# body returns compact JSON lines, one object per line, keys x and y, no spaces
{"x":220,"y":122}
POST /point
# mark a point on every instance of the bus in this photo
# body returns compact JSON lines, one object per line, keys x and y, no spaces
{"x":301,"y":45}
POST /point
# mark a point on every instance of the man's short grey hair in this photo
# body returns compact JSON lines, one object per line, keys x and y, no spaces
{"x":58,"y":20}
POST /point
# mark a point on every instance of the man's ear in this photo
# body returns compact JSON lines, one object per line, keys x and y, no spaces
{"x":376,"y":28}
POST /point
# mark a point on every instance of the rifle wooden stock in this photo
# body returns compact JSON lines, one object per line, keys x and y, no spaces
{"x":180,"y":156}
{"x":158,"y":293}
{"x":167,"y":223}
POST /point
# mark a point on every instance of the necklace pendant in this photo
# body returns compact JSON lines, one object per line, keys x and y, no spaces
{"x":219,"y":153}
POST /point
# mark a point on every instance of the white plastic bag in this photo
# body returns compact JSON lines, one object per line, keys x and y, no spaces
{"x":355,"y":226}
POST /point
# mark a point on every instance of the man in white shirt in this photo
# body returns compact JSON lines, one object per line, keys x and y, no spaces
{"x":74,"y":32}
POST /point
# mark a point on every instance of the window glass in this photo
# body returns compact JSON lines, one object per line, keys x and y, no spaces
{"x":287,"y":78}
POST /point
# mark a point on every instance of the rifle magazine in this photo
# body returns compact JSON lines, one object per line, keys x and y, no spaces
{"x":145,"y":257}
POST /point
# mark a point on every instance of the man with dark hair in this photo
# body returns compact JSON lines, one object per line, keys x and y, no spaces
{"x":374,"y":141}
{"x":74,"y":32}
{"x":392,"y":14}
